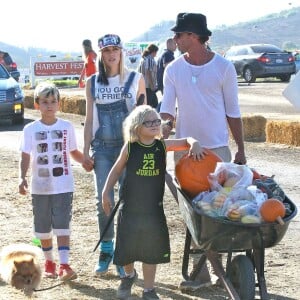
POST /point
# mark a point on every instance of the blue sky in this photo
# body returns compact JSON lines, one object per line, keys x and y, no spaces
{"x":62,"y":25}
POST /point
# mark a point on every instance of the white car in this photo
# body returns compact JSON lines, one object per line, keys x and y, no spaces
{"x":11,"y":98}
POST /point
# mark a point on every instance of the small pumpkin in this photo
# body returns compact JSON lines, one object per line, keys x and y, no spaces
{"x":272,"y":210}
{"x":192,"y":174}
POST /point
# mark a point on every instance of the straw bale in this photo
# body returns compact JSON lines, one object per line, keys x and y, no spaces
{"x":74,"y":104}
{"x":254,"y":128}
{"x":283,"y":132}
{"x":28,"y":99}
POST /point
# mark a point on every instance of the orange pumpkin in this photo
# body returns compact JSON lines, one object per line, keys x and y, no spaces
{"x":192,"y":174}
{"x":272,"y":210}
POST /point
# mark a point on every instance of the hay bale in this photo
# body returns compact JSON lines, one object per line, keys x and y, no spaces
{"x":28,"y":99}
{"x":283,"y":132}
{"x":74,"y":104}
{"x":254,"y":128}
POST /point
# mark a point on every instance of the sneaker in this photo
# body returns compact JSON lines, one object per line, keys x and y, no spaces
{"x":124,"y":290}
{"x":120,"y":271}
{"x":192,"y":286}
{"x":103,"y":264}
{"x":50,"y":269}
{"x":150,"y":295}
{"x":66,"y":273}
{"x":105,"y":258}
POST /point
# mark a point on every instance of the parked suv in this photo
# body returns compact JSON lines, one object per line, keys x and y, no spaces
{"x":11,"y":98}
{"x":9,"y":64}
{"x":261,"y":61}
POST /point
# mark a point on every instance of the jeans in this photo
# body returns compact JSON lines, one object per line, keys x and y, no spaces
{"x":106,"y":148}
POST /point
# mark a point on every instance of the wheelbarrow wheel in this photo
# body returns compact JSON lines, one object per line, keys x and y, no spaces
{"x":241,"y":275}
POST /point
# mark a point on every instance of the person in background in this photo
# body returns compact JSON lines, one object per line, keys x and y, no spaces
{"x":201,"y":92}
{"x":110,"y":95}
{"x":148,"y":68}
{"x":89,"y":67}
{"x":142,"y":232}
{"x":49,"y":143}
{"x":166,"y":57}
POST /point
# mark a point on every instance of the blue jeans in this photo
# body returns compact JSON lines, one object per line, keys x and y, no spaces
{"x":106,"y":148}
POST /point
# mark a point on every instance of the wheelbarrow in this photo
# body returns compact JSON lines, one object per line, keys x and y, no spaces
{"x":244,"y":245}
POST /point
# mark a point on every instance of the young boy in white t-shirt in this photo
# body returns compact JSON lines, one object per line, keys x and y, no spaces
{"x":47,"y":146}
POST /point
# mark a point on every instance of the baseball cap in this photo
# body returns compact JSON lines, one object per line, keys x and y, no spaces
{"x":109,"y":40}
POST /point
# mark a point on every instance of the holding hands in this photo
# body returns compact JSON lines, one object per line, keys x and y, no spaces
{"x":88,"y":163}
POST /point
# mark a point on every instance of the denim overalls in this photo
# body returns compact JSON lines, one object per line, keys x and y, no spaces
{"x":106,"y":148}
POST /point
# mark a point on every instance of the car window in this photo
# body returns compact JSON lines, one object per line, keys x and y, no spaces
{"x":242,"y":51}
{"x":265,"y":48}
{"x":230,"y":52}
{"x":3,"y":73}
{"x":7,"y":59}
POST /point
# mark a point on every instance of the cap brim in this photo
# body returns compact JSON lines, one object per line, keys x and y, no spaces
{"x":110,"y":46}
{"x":174,"y":28}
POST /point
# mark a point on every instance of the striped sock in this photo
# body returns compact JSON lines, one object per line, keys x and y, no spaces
{"x":64,"y":253}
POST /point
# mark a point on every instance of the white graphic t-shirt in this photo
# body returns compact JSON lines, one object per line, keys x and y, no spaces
{"x":49,"y":147}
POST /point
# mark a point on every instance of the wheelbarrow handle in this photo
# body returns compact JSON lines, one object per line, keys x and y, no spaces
{"x":110,"y":219}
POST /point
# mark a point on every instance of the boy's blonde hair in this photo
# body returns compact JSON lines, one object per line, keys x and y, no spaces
{"x":135,"y":120}
{"x":46,"y":89}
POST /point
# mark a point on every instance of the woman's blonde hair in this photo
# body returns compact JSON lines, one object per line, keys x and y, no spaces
{"x":135,"y":120}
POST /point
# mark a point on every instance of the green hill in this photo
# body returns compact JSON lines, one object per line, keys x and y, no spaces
{"x":281,"y":29}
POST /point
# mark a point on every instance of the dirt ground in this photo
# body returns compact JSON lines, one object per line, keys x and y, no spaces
{"x":281,"y":262}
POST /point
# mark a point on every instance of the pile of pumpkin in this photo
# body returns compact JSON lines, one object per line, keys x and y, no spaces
{"x":227,"y":190}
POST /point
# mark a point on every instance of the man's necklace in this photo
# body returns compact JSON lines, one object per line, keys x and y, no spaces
{"x":195,"y":76}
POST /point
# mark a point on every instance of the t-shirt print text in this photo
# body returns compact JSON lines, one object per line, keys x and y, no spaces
{"x":108,"y":93}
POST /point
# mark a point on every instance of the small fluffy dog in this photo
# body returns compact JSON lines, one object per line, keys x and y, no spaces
{"x":20,"y":267}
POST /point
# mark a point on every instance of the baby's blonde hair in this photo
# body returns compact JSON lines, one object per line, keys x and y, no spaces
{"x":135,"y":120}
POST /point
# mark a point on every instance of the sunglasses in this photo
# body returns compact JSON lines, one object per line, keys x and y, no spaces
{"x":177,"y":35}
{"x":153,"y":123}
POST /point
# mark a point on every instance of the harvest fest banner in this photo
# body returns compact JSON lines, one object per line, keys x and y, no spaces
{"x":65,"y":68}
{"x":55,"y":67}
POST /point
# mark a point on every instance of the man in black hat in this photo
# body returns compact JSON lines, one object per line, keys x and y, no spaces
{"x":201,"y":91}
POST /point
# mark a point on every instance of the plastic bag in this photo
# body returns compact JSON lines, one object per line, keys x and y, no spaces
{"x":204,"y":203}
{"x":230,"y":176}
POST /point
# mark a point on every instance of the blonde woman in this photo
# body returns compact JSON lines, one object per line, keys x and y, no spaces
{"x":110,"y":95}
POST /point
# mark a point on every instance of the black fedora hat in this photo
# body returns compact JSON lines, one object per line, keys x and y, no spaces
{"x":191,"y":22}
